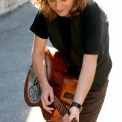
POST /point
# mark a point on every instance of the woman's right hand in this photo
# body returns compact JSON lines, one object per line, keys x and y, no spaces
{"x":47,"y":97}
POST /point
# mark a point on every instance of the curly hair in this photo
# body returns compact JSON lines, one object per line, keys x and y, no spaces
{"x":49,"y":13}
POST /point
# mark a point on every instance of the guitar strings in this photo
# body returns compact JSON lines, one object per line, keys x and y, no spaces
{"x":59,"y":106}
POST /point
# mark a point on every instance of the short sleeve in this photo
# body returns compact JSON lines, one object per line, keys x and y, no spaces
{"x":95,"y":30}
{"x":39,"y":26}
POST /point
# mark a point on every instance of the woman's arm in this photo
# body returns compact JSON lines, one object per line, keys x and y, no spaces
{"x":84,"y":84}
{"x":38,"y":61}
{"x":86,"y":77}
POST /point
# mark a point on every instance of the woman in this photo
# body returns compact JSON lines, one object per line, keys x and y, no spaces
{"x":79,"y":30}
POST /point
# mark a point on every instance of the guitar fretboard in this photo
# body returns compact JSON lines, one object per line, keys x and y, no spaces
{"x":61,"y":108}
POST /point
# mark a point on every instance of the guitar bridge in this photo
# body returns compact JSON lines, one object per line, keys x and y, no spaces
{"x":68,"y":95}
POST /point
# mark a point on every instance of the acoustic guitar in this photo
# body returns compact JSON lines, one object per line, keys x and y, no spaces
{"x":64,"y":86}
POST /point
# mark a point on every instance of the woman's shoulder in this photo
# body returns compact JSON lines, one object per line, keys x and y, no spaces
{"x":39,"y":14}
{"x":94,"y":11}
{"x":92,"y":6}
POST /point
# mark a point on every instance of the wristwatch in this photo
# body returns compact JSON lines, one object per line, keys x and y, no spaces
{"x":79,"y":106}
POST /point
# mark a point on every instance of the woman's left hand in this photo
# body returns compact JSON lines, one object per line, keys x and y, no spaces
{"x":74,"y":113}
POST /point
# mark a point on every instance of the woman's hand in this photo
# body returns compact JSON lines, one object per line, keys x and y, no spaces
{"x":74,"y":113}
{"x":47,"y":97}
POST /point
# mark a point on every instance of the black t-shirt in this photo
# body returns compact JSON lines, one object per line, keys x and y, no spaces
{"x":94,"y":42}
{"x":95,"y":36}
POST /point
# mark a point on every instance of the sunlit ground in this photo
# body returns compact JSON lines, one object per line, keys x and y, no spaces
{"x":35,"y":115}
{"x":112,"y":108}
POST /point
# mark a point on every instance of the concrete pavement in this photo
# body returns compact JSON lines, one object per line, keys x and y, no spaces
{"x":9,"y":5}
{"x":15,"y":58}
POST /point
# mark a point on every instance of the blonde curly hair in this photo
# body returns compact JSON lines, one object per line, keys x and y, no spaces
{"x":49,"y":13}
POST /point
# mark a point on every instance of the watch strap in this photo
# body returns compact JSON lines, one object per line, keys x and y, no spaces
{"x":79,"y":106}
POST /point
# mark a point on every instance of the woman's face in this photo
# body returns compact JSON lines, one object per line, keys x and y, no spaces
{"x":61,"y":7}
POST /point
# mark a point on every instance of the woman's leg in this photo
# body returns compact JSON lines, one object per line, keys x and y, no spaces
{"x":92,"y":105}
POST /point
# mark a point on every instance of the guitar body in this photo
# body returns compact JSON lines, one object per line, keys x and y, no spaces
{"x":63,"y":85}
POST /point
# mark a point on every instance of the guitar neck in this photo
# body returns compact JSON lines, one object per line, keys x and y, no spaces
{"x":61,"y":108}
